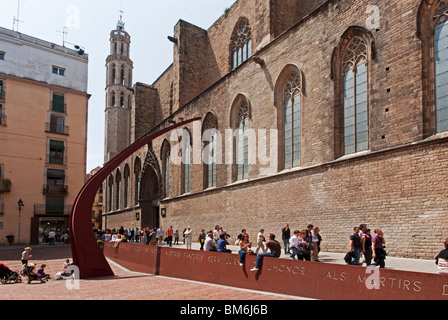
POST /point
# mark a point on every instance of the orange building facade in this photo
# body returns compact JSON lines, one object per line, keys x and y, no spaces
{"x":43,"y":136}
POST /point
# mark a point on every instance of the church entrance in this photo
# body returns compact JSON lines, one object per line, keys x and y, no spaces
{"x":150,"y":199}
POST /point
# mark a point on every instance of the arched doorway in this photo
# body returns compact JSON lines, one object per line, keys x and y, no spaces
{"x":150,"y":198}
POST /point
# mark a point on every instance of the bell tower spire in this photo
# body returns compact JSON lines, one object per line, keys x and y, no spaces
{"x":118,"y":92}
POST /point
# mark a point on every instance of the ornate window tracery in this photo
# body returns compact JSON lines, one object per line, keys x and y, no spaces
{"x":440,"y":26}
{"x":241,"y":44}
{"x":356,"y":120}
{"x":292,"y":120}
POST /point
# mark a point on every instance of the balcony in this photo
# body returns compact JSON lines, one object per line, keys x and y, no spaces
{"x":56,"y":128}
{"x":53,"y":190}
{"x":5,"y":186}
{"x":2,"y":207}
{"x":42,"y":209}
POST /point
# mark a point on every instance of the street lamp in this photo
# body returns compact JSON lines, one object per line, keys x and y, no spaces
{"x":21,"y":204}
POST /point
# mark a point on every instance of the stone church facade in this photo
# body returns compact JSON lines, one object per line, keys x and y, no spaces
{"x":347,"y":96}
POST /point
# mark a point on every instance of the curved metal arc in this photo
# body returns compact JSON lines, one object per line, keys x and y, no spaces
{"x":86,"y":254}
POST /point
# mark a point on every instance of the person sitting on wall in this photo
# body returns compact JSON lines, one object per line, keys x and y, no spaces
{"x":209,"y":242}
{"x":275,"y":251}
{"x":222,"y":244}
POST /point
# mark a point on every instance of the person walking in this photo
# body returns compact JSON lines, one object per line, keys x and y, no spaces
{"x":355,"y":246}
{"x":159,"y":235}
{"x":51,"y":236}
{"x":275,"y":251}
{"x":188,"y":235}
{"x":378,"y":252}
{"x":201,"y":239}
{"x":26,"y":256}
{"x":176,"y":237}
{"x":286,"y":236}
{"x":169,"y":236}
{"x":294,"y":244}
{"x":316,"y":239}
{"x":366,"y":239}
{"x":216,"y":234}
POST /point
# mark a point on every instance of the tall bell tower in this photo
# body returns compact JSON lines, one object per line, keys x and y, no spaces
{"x":118,"y":93}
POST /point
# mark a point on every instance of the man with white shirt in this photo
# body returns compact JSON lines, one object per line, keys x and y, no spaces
{"x":159,"y":235}
{"x":294,"y":244}
{"x":51,"y":236}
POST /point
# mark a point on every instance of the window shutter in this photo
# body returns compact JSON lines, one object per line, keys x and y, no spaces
{"x":58,"y":103}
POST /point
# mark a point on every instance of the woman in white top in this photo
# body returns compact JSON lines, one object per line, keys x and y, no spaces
{"x":188,"y":237}
{"x":26,"y":256}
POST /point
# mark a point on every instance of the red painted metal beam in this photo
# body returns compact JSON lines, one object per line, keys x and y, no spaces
{"x":86,"y":254}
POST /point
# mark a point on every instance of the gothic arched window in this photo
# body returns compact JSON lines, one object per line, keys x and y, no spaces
{"x":241,"y":47}
{"x":186,"y":161}
{"x":118,"y":190}
{"x":165,"y":157}
{"x":137,"y":178}
{"x":242,"y":144}
{"x":441,"y":65}
{"x":292,"y":120}
{"x":211,"y":153}
{"x":127,"y":186}
{"x":110,"y":202}
{"x":356,"y":108}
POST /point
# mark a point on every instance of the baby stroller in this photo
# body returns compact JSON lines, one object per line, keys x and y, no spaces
{"x":9,"y":276}
{"x":29,"y":271}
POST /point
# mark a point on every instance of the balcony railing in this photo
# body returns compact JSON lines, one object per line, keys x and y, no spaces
{"x":56,"y":128}
{"x":5,"y":186}
{"x":55,"y":190}
{"x":42,"y":209}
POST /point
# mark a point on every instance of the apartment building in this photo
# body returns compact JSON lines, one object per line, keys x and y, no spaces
{"x":43,"y":135}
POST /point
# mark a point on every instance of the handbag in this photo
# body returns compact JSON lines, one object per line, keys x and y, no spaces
{"x":348,"y":257}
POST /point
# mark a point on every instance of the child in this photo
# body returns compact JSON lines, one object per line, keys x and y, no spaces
{"x":41,"y":273}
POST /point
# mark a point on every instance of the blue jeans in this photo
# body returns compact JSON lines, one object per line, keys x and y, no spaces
{"x":260,"y":257}
{"x":295,"y":252}
{"x":286,"y":245}
{"x":357,"y":253}
{"x":242,"y":254}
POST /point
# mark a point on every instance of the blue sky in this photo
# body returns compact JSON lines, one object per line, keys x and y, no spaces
{"x":89,"y":25}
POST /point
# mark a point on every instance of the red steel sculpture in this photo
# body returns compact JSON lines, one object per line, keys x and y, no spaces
{"x":86,"y":254}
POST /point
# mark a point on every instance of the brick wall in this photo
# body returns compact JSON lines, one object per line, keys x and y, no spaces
{"x":397,"y":185}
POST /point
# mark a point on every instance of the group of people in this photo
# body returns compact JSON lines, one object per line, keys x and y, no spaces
{"x":29,"y":268}
{"x":51,"y":236}
{"x":371,"y":246}
{"x":304,"y":244}
{"x":148,"y":236}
